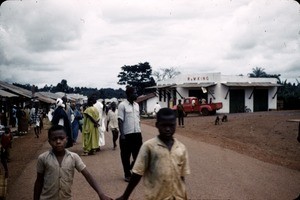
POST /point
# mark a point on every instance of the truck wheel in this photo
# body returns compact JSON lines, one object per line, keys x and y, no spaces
{"x":205,"y":112}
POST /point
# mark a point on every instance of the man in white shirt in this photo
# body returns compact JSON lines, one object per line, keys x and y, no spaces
{"x":130,"y":131}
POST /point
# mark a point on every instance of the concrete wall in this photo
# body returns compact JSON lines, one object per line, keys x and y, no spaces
{"x":218,"y":92}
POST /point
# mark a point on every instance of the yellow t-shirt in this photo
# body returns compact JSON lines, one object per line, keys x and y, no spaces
{"x":162,"y":169}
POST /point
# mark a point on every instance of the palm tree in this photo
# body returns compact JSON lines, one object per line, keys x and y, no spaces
{"x":258,"y":72}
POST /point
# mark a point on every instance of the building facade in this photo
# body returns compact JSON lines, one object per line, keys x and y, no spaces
{"x":237,"y":93}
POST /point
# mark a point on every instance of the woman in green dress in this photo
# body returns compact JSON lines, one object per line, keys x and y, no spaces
{"x":90,"y":136}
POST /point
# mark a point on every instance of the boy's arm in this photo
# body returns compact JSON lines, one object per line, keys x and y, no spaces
{"x":134,"y":180}
{"x":38,"y":186}
{"x":94,"y":184}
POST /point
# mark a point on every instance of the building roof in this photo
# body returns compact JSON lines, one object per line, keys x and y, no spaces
{"x":3,"y":93}
{"x":162,"y":86}
{"x":196,"y":85}
{"x":23,"y":92}
{"x":145,"y":97}
{"x":251,"y":84}
{"x":15,"y":89}
{"x":50,"y":95}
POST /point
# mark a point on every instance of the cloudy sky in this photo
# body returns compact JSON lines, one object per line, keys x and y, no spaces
{"x":87,"y":42}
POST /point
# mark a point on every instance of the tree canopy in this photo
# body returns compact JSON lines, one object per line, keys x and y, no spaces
{"x":138,"y":76}
{"x":165,"y":73}
{"x":102,"y":93}
{"x":260,"y":72}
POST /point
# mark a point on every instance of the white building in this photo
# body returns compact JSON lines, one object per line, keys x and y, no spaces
{"x":235,"y":92}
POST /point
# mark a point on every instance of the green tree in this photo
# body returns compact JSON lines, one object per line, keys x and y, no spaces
{"x":138,"y":76}
{"x":260,"y":72}
{"x":63,"y":86}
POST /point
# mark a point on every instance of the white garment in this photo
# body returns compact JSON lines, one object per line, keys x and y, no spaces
{"x":61,"y":122}
{"x":157,"y":107}
{"x":50,"y":114}
{"x":101,"y":128}
{"x":112,"y":117}
{"x":130,"y":115}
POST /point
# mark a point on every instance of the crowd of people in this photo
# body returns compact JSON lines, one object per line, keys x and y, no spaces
{"x":70,"y":121}
{"x":150,"y":160}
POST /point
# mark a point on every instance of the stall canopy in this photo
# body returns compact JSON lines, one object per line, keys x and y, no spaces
{"x":3,"y":93}
{"x":23,"y":92}
{"x":162,"y":86}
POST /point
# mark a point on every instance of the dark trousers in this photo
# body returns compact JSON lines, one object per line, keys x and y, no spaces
{"x":130,"y":146}
{"x":181,"y":119}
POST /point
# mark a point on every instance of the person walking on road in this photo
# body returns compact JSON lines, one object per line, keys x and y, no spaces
{"x":162,"y":162}
{"x":112,"y":123}
{"x":157,"y":107}
{"x":90,"y":135}
{"x":130,"y":130}
{"x":36,"y":120}
{"x":56,"y":167}
{"x":75,"y":124}
{"x":180,"y":114}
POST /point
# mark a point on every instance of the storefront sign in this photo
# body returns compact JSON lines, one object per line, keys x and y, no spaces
{"x":197,"y":78}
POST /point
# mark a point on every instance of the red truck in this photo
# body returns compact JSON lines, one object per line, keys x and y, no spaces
{"x":193,"y":105}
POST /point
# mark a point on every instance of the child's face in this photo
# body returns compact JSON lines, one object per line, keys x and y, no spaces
{"x":166,"y":127}
{"x":58,"y":140}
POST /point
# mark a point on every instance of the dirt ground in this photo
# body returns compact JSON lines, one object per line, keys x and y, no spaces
{"x":266,"y":136}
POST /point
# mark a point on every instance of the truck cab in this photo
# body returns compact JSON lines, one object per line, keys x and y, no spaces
{"x":195,"y":105}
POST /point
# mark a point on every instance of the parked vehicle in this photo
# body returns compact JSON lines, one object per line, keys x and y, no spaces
{"x":193,"y":105}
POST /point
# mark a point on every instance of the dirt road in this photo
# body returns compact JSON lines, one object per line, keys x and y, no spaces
{"x":217,"y":173}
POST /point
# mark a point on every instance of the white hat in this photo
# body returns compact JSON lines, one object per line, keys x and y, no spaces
{"x":59,"y":102}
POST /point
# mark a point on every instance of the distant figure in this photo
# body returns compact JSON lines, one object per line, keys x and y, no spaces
{"x":224,"y":118}
{"x":14,"y":119}
{"x":217,"y":120}
{"x":130,"y":131}
{"x":157,"y":107}
{"x":180,"y":114}
{"x":112,"y":123}
{"x":75,"y":124}
{"x":56,"y":168}
{"x":22,"y":121}
{"x":36,"y":120}
{"x":193,"y":104}
{"x":203,"y":101}
{"x":162,"y":162}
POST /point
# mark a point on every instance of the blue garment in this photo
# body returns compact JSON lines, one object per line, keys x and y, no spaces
{"x":75,"y":124}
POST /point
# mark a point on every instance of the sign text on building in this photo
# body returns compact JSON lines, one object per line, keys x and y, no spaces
{"x":197,"y":78}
